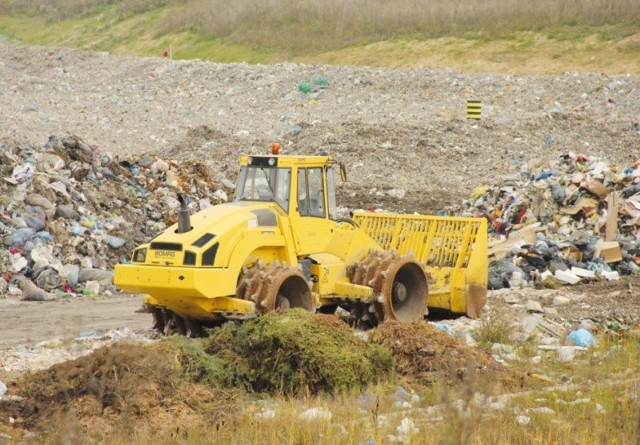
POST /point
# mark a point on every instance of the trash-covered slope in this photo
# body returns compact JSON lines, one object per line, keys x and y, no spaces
{"x":400,"y":132}
{"x":70,"y":212}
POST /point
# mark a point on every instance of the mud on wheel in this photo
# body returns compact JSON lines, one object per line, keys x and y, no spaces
{"x":399,"y":286}
{"x":275,"y":286}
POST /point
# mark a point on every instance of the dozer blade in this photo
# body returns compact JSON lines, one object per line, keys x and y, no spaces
{"x":453,"y":251}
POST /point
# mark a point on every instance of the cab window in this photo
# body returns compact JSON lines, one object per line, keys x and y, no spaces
{"x":311,"y":192}
{"x":331,"y":194}
{"x":264,"y":184}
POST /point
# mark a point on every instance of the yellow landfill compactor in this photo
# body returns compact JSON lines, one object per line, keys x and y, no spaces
{"x":281,"y":244}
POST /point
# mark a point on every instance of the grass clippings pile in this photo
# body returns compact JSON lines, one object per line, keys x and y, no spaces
{"x":179,"y":384}
{"x":293,"y":353}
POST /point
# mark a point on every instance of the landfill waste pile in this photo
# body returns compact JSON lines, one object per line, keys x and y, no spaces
{"x":568,"y":221}
{"x":69,"y":213}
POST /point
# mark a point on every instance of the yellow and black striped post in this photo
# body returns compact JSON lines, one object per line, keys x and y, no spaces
{"x":474,"y":109}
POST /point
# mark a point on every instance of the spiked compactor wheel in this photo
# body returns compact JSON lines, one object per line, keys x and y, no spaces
{"x":399,"y":285}
{"x":276,"y":286}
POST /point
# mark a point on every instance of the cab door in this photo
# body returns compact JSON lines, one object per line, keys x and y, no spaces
{"x":312,"y":217}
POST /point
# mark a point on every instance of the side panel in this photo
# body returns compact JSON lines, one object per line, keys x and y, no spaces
{"x":330,"y":280}
{"x":350,"y":243}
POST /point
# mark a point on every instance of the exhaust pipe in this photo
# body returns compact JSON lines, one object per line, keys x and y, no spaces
{"x":184,"y":219}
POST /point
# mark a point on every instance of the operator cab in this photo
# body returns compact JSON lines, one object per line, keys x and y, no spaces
{"x":302,"y":185}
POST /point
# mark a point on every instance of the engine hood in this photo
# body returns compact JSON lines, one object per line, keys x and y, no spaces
{"x":221,"y":218}
{"x":212,"y":232}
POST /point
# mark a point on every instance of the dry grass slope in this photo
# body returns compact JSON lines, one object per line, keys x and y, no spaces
{"x":302,"y":26}
{"x":322,"y":25}
{"x":491,"y":36}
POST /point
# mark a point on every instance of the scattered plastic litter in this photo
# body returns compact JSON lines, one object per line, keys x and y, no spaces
{"x":316,"y":414}
{"x":566,"y":353}
{"x":22,"y":172}
{"x":115,"y":242}
{"x":305,"y":87}
{"x":265,"y":414}
{"x":50,"y":344}
{"x":445,"y":327}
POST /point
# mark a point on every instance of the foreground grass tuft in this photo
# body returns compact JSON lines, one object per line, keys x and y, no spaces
{"x":494,"y":331}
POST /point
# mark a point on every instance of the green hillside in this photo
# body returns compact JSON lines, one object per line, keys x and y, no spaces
{"x":491,"y":35}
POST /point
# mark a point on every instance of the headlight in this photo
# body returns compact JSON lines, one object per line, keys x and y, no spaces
{"x":189,"y":258}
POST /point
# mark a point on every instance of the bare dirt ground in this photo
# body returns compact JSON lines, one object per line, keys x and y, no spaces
{"x":30,"y":322}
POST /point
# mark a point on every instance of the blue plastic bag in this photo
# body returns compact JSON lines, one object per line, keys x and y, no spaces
{"x":582,"y":337}
{"x":21,"y":236}
{"x":115,"y":242}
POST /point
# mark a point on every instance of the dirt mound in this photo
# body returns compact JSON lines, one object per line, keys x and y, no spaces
{"x":135,"y":387}
{"x":423,"y":354}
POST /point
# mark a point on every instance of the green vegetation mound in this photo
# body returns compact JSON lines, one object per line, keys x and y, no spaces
{"x":294,"y":352}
